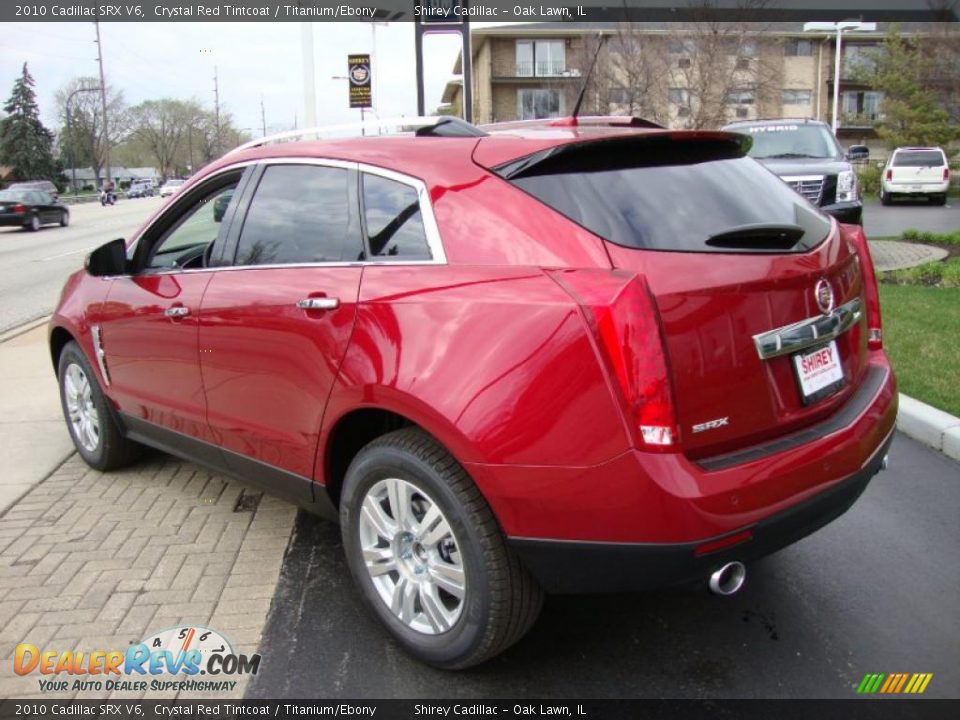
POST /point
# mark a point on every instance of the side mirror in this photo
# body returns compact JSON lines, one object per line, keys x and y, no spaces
{"x":858,"y":152}
{"x":108,"y":260}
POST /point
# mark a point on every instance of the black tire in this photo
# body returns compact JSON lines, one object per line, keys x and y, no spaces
{"x":885,"y":198}
{"x":112,"y":449}
{"x":64,"y":218}
{"x":33,"y":224}
{"x":938,"y":199}
{"x":501,"y":600}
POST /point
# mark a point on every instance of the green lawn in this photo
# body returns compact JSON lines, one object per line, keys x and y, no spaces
{"x":921,"y":329}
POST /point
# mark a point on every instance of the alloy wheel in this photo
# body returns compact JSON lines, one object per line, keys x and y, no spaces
{"x":412,"y":556}
{"x":82,"y":413}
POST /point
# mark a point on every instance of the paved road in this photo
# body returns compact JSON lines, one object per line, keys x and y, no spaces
{"x":33,"y":266}
{"x":880,"y":221}
{"x":876,"y":591}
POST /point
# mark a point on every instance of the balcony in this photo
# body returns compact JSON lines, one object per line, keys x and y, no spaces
{"x":545,"y":68}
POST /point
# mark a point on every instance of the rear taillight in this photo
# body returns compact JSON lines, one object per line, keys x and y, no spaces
{"x":946,"y":174}
{"x":854,"y":234}
{"x":18,"y":208}
{"x":620,"y":311}
{"x":889,"y":175}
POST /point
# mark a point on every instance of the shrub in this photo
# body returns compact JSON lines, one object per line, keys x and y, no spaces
{"x":951,"y":274}
{"x":913,"y":235}
{"x":869,"y":178}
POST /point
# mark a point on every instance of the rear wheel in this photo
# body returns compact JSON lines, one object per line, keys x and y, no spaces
{"x":33,"y":224}
{"x":91,"y":423}
{"x":428,"y":555}
{"x":884,"y":197}
{"x":938,"y":199}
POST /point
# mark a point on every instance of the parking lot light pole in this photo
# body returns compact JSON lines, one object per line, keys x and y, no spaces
{"x":70,"y":132}
{"x":839,"y":28}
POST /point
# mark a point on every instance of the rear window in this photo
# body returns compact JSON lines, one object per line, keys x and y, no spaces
{"x":919,"y":158}
{"x":678,"y":195}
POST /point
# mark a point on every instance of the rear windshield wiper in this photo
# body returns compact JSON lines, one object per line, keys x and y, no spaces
{"x":783,"y":156}
{"x":758,"y":236}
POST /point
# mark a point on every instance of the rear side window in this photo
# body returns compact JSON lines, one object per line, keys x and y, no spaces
{"x":919,"y":158}
{"x":299,"y":214}
{"x":679,"y":195}
{"x":393,"y":221}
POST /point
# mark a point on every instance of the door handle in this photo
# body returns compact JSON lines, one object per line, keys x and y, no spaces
{"x":319,"y":303}
{"x":177,"y":311}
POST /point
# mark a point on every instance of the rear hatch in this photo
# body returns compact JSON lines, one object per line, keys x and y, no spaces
{"x":729,"y":253}
{"x":918,"y":168}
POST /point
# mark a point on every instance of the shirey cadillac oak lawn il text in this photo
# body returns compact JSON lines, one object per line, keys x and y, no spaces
{"x":560,"y":356}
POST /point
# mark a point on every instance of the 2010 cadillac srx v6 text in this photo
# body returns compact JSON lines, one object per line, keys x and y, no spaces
{"x":565,"y":356}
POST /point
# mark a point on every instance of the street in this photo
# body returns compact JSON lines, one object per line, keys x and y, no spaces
{"x":890,"y":221}
{"x":876,"y":591}
{"x":34,"y":265}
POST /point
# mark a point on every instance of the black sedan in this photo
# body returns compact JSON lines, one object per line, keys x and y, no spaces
{"x":30,"y":209}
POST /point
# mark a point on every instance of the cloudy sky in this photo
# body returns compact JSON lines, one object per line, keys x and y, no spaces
{"x":176,"y":60}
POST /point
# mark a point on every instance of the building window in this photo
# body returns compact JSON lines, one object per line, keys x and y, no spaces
{"x":541,"y":58}
{"x":797,"y":47}
{"x":741,"y":47}
{"x":860,"y":107}
{"x":743,"y":112}
{"x":682,"y":47}
{"x":620,"y":96}
{"x":797,"y":97}
{"x":683,"y":111}
{"x":533,"y":104}
{"x":742,"y":96}
{"x":678,"y":96}
{"x":743,"y":63}
{"x":684,"y":63}
{"x":859,"y":60}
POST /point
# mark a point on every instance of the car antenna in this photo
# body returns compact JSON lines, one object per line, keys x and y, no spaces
{"x":586,"y":80}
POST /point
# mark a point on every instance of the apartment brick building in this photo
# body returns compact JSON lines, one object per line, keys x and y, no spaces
{"x":679,"y":74}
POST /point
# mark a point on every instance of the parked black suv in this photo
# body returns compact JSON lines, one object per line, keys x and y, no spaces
{"x":806,"y":155}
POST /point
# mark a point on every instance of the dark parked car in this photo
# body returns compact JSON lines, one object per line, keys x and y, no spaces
{"x":141,"y":189}
{"x":563,"y":359}
{"x":42,"y":185}
{"x":30,"y":209}
{"x":806,"y":156}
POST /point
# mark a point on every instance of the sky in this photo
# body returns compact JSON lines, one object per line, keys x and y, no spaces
{"x":253,"y":60}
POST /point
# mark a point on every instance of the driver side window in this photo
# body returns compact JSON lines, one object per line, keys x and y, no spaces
{"x":186,"y":244}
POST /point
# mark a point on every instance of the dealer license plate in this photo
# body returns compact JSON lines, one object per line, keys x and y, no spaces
{"x":819,"y":372}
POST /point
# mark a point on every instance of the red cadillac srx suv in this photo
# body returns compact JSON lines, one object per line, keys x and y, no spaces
{"x":555,"y":357}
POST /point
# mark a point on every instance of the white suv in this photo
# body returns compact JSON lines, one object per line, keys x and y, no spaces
{"x":916,"y":172}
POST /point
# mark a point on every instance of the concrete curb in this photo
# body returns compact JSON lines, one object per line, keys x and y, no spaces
{"x":932,"y":427}
{"x":23,"y":329}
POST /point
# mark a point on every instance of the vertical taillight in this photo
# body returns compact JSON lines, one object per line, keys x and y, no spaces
{"x":946,"y":174}
{"x":889,"y":175}
{"x":621,"y":313}
{"x":854,"y":234}
{"x":18,"y":208}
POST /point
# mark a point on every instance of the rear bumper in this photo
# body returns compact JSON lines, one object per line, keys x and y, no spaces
{"x":656,"y":508}
{"x":912,"y":188}
{"x":582,"y":567}
{"x":850,"y":213}
{"x":11,"y":219}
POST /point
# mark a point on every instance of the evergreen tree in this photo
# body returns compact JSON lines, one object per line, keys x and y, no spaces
{"x":26,"y":146}
{"x":912,"y":112}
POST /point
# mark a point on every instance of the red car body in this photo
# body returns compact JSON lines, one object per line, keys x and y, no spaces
{"x":502,"y":353}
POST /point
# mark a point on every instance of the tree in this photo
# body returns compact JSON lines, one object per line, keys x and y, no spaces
{"x":160,"y":126}
{"x":84,"y":139}
{"x":911,"y":111}
{"x":25,"y":144}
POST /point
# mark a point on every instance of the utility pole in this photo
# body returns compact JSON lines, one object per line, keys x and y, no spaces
{"x":216,"y":109}
{"x":309,"y":80}
{"x":263,"y":118}
{"x":103,"y":102}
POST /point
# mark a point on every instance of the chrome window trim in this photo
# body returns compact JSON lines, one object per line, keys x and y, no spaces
{"x":430,"y":227}
{"x":807,"y":333}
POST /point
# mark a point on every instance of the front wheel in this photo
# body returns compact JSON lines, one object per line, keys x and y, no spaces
{"x":64,"y":219}
{"x":92,"y":425}
{"x":428,"y":555}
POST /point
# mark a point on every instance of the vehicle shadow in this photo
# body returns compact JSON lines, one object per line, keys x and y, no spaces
{"x":321,"y":642}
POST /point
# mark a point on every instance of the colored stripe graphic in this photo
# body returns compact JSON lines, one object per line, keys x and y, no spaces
{"x":894,"y":683}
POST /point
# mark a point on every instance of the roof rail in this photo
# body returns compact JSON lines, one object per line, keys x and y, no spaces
{"x":613,"y":121}
{"x":428,"y":126}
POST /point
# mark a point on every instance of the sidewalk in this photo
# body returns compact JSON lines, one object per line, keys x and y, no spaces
{"x":93,"y":561}
{"x":896,"y":255}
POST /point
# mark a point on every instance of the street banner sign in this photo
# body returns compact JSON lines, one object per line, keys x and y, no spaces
{"x":358,"y":71}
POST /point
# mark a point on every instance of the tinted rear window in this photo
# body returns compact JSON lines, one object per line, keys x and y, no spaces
{"x":661,"y":194}
{"x":918,"y":158}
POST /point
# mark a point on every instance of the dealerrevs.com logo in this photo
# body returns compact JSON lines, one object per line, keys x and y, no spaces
{"x":152,"y":664}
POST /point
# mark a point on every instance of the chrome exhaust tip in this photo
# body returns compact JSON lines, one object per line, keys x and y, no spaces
{"x":885,"y":463}
{"x":728,"y":579}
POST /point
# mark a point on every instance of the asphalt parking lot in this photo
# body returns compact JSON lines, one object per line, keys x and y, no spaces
{"x":890,"y":221}
{"x":876,"y":591}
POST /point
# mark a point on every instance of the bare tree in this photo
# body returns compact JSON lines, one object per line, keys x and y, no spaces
{"x":160,"y":125}
{"x":84,"y":138}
